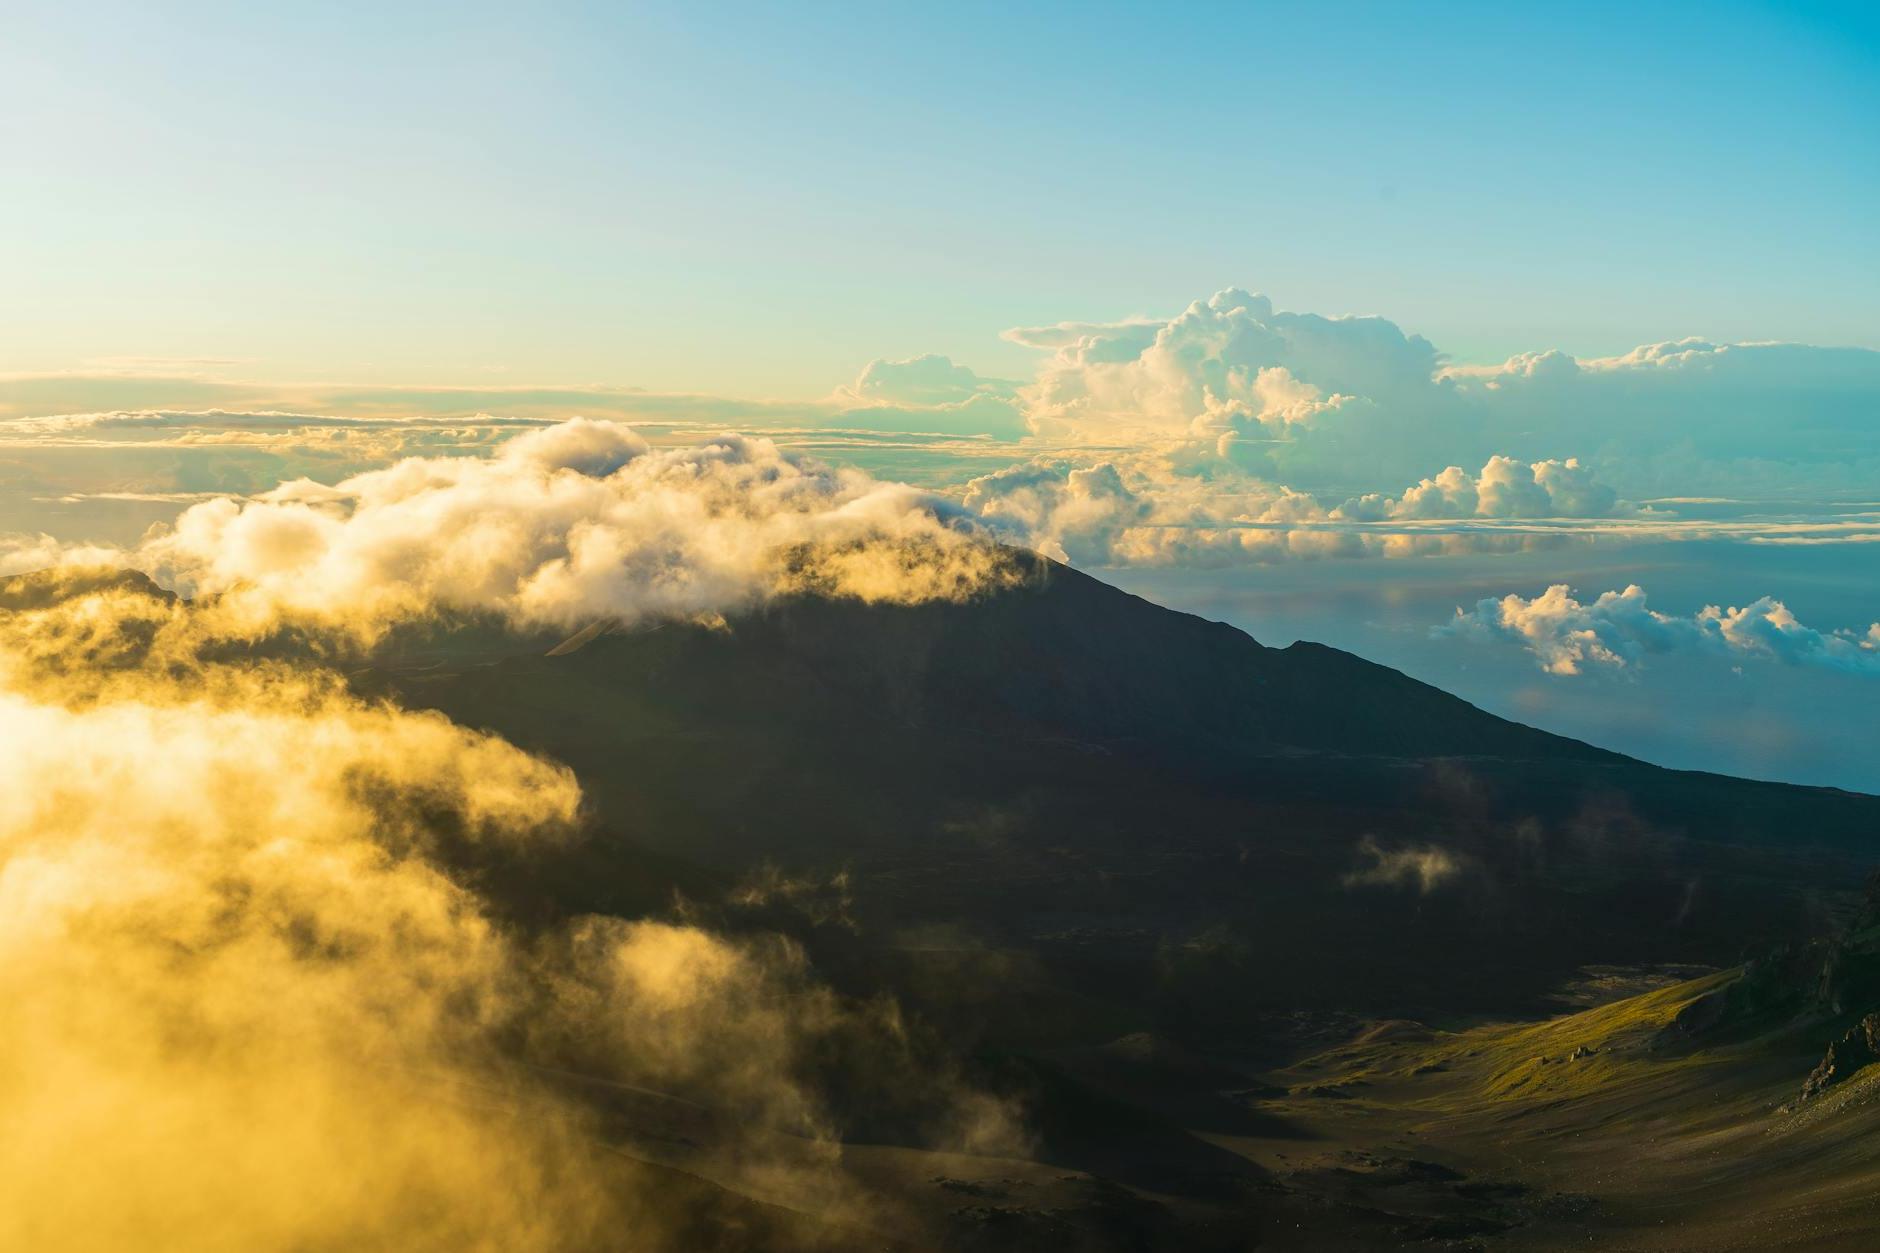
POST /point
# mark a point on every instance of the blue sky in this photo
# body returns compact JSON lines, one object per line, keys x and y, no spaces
{"x":756,"y":200}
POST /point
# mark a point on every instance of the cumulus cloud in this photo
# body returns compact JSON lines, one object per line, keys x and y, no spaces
{"x":1219,"y":427}
{"x":1222,"y":361}
{"x":1332,"y":405}
{"x":1343,"y":408}
{"x":929,"y":392}
{"x":239,"y":965}
{"x":1228,"y":373}
{"x":1068,"y":511}
{"x":1147,"y":509}
{"x":1506,"y":488}
{"x":1320,"y":401}
{"x":564,"y":525}
{"x":1618,"y":629}
{"x":21,"y":554}
{"x":930,"y":380}
{"x":1140,"y":511}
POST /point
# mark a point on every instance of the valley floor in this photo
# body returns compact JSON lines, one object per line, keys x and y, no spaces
{"x":1595,"y":1129}
{"x":1599,"y":1128}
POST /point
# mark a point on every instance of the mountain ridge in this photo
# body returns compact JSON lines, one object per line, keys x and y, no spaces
{"x":1066,"y":769}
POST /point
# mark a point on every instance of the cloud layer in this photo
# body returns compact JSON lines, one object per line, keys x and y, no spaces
{"x":1338,"y":406}
{"x":252,"y":1006}
{"x":233,"y":970}
{"x":1232,"y":433}
{"x":1169,"y":510}
{"x":564,"y":525}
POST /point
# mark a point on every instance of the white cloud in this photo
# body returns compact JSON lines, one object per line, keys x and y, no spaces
{"x":1227,"y":367}
{"x":1505,"y":488}
{"x":1147,"y":509}
{"x":1619,"y":629}
{"x":20,"y":554}
{"x":929,"y":392}
{"x":1200,"y":419}
{"x":1070,"y":512}
{"x":1324,"y":402}
{"x":930,"y":379}
{"x":235,"y":961}
{"x":1338,"y":406}
{"x":560,"y":526}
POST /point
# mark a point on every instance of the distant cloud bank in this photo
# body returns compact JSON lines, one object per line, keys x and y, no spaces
{"x":559,"y":526}
{"x":1325,"y":400}
{"x":1231,"y":433}
{"x":1618,"y":630}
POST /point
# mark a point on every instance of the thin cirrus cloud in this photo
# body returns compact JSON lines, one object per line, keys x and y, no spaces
{"x":927,"y":393}
{"x":1618,"y":630}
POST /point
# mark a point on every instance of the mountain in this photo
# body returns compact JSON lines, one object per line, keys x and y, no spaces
{"x":1256,"y":947}
{"x":1275,"y":948}
{"x":1172,"y":824}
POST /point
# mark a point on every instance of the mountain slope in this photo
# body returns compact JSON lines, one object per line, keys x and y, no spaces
{"x":1149,"y":804}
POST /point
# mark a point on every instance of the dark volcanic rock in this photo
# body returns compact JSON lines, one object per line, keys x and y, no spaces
{"x":1859,"y":1048}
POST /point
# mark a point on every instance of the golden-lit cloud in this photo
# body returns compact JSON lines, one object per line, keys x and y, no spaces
{"x":252,"y":1006}
{"x":558,"y":527}
{"x":246,"y":1010}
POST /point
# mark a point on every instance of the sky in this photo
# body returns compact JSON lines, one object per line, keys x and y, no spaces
{"x":755,"y":200}
{"x":1536,"y":354}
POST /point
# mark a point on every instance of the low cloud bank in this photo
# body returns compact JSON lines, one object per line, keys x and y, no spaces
{"x":1335,"y":405}
{"x":251,"y":1005}
{"x":561,"y":526}
{"x":1618,"y":630}
{"x":1146,"y":440}
{"x":1163,"y":510}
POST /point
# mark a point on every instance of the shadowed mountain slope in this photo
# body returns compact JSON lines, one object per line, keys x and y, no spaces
{"x":1266,"y":948}
{"x":1150,"y":804}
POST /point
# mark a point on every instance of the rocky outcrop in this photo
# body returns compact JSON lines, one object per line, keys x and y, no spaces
{"x":1847,"y":1056}
{"x":1825,"y":983}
